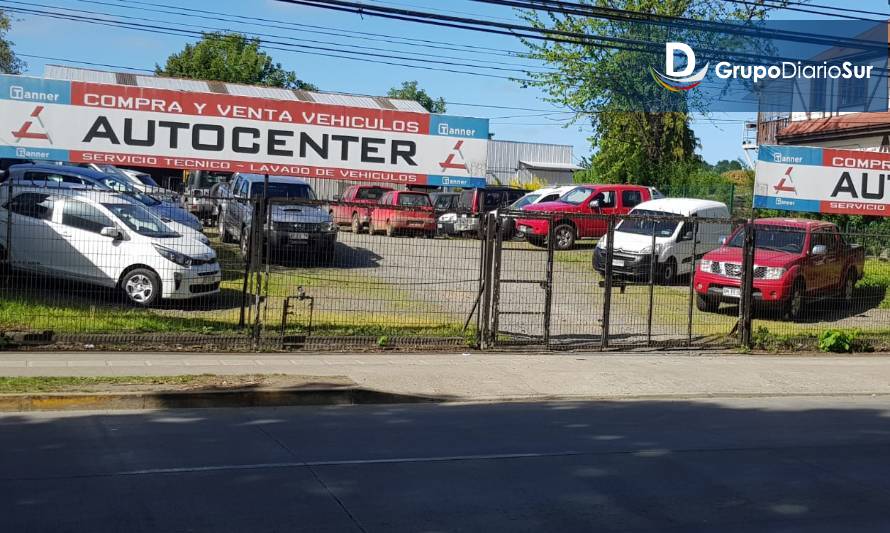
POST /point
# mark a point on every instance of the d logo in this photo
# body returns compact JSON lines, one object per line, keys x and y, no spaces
{"x":670,"y":51}
{"x":678,"y":80}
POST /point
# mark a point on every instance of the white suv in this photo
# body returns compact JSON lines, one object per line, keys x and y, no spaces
{"x":105,"y":239}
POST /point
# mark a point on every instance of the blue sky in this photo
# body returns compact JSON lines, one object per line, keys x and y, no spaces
{"x":720,"y":134}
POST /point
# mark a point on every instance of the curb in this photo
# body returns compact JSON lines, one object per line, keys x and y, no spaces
{"x":201,"y":399}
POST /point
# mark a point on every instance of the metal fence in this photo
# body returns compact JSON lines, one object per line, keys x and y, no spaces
{"x":76,"y":267}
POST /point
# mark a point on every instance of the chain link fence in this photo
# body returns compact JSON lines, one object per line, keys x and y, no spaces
{"x":82,"y":268}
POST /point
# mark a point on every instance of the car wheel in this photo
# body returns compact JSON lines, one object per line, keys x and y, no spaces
{"x":848,"y":288}
{"x":390,"y":231}
{"x":223,"y":234}
{"x":669,"y":272}
{"x":794,"y":307}
{"x":141,"y":286}
{"x":356,"y":224}
{"x":535,"y":240}
{"x":430,"y":234}
{"x":564,"y":237}
{"x":706,"y":303}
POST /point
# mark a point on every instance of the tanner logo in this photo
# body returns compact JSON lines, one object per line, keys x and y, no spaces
{"x":25,"y":132}
{"x":683,"y":79}
{"x":786,"y":184}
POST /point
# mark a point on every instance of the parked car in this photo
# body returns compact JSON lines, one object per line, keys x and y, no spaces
{"x":795,"y":261}
{"x":444,"y":202}
{"x":58,"y":176}
{"x":201,"y":196}
{"x":475,"y":202}
{"x":582,"y":200}
{"x":136,"y":180}
{"x":544,"y":194}
{"x":357,"y":216}
{"x":292,"y":224}
{"x":104,"y":238}
{"x":404,"y":212}
{"x":632,"y":249}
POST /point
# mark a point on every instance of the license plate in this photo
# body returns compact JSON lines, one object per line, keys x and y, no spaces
{"x":618,"y":262}
{"x":298,"y":236}
{"x":732,"y":292}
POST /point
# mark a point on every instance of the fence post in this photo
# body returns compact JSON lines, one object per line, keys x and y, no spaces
{"x":607,"y":281}
{"x":692,"y":281}
{"x":747,"y":286}
{"x":548,"y":288}
{"x":488,"y":281}
{"x":258,"y":233}
{"x":8,"y":258}
{"x":653,"y":259}
{"x":493,"y":234}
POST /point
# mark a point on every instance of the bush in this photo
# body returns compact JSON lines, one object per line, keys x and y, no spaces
{"x":842,"y":341}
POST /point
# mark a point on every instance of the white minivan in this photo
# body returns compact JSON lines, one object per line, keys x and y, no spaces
{"x":104,"y":238}
{"x":632,"y":250}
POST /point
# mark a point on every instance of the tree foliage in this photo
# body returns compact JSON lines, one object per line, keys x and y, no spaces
{"x":410,"y":91}
{"x":233,"y":58}
{"x":639,"y":128}
{"x":9,"y":63}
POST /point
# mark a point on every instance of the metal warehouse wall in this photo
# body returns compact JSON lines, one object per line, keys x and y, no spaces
{"x":504,"y":157}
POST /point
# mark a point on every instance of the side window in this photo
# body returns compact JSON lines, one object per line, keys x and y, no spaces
{"x":51,"y":178}
{"x":114,"y":185}
{"x":631,"y":198}
{"x":608,"y":198}
{"x":550,"y":198}
{"x":32,"y":205}
{"x":513,"y":196}
{"x":491,"y":199}
{"x":244,"y":189}
{"x":384,"y":200}
{"x":84,"y":216}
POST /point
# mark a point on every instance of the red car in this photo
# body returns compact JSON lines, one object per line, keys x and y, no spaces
{"x":404,"y":211}
{"x":795,"y":260}
{"x":583,"y":200}
{"x":357,"y":216}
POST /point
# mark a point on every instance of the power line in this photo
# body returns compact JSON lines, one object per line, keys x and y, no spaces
{"x":802,"y":10}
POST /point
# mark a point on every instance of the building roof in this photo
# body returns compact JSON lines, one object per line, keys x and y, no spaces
{"x":546,"y":165}
{"x":61,"y":72}
{"x":850,"y":124}
{"x":679,"y":206}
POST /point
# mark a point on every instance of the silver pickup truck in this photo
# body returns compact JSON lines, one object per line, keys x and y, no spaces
{"x":292,"y":224}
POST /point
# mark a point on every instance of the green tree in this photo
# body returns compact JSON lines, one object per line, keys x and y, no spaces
{"x":409,"y":91}
{"x":9,"y":63}
{"x":640,"y":130}
{"x":230,"y":57}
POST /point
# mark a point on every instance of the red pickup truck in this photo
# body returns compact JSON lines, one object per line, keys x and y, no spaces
{"x":795,"y":260}
{"x":583,"y":200}
{"x":404,"y":211}
{"x":357,"y":216}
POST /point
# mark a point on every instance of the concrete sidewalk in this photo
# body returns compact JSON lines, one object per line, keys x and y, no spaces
{"x":481,"y":377}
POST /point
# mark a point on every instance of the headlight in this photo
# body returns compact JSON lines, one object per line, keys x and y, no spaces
{"x":772,"y":272}
{"x":174,"y":256}
{"x":648,"y":250}
{"x":705,"y":265}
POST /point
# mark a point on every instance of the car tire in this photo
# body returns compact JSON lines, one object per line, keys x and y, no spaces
{"x":668,"y":272}
{"x":223,"y":234}
{"x":141,"y":287}
{"x":356,"y":224}
{"x":706,"y":304}
{"x":848,"y":287}
{"x":390,"y":231}
{"x":564,"y":237}
{"x":430,"y":234}
{"x":795,"y":306}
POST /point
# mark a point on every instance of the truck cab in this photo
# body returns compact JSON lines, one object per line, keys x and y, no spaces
{"x":353,"y":207}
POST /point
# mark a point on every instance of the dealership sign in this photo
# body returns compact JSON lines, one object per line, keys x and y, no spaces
{"x":143,"y":127}
{"x":822,"y":180}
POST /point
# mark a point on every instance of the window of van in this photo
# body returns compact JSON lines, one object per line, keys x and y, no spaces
{"x":631,"y":198}
{"x":32,"y":205}
{"x":662,"y":228}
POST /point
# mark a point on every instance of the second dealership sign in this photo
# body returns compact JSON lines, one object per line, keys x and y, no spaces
{"x":822,"y":180}
{"x":137,"y":126}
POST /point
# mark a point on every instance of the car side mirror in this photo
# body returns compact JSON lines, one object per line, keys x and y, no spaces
{"x":686,"y":236}
{"x":111,"y":231}
{"x":594,"y":204}
{"x":723,"y":240}
{"x":820,"y":249}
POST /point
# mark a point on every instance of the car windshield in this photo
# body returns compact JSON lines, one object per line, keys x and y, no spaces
{"x":112,"y":170}
{"x":662,"y":228}
{"x":146,"y":179}
{"x":778,"y":238}
{"x":370,"y":193}
{"x":528,"y":199}
{"x":577,"y":196}
{"x":445,"y":201}
{"x":142,"y":198}
{"x":283,"y":190}
{"x":207,"y":180}
{"x":141,"y":221}
{"x":414,"y":200}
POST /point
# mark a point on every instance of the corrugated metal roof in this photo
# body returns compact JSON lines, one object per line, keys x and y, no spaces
{"x":78,"y":74}
{"x":549,"y":165}
{"x":177,"y":84}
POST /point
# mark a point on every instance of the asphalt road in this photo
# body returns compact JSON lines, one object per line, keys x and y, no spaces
{"x":781,"y":464}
